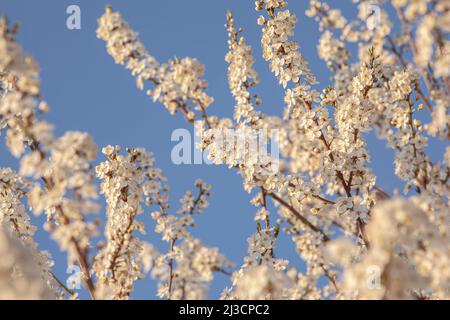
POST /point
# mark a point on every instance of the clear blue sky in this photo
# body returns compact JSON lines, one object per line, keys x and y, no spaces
{"x":88,"y":92}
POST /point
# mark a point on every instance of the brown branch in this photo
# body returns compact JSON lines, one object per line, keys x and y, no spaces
{"x":264,"y":203}
{"x":330,"y":277}
{"x":299,"y":216}
{"x":59,"y":283}
{"x":172,"y":244}
{"x":81,"y":257}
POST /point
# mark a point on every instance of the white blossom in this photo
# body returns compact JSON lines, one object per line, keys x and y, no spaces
{"x":319,"y":190}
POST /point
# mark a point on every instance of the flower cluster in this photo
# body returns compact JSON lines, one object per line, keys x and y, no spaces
{"x":241,"y":74}
{"x":327,"y":17}
{"x":126,"y":49}
{"x":180,"y":82}
{"x":186,"y":271}
{"x":15,"y":221}
{"x":70,"y":192}
{"x":333,"y":51}
{"x":261,"y":283}
{"x":60,"y":167}
{"x":20,"y":275}
{"x":21,"y":97}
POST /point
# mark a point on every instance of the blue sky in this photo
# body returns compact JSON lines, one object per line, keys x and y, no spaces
{"x":88,"y":92}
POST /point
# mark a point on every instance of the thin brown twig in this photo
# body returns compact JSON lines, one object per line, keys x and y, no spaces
{"x":264,"y":203}
{"x":299,"y":216}
{"x":331,"y":278}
